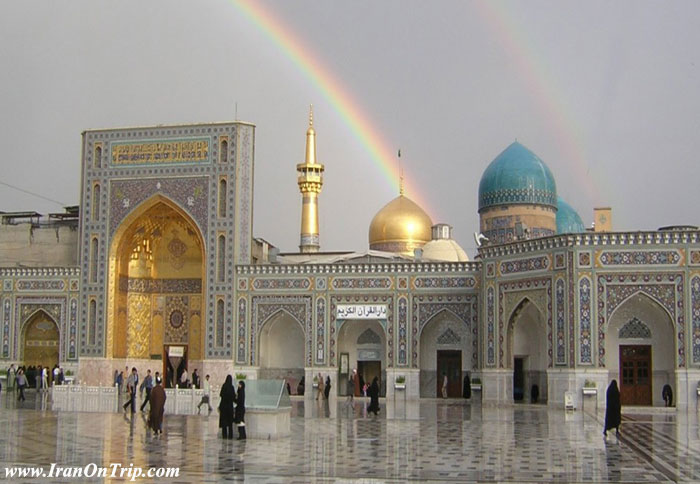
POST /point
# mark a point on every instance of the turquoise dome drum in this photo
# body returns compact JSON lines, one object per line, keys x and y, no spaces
{"x":568,"y":221}
{"x":517,"y":176}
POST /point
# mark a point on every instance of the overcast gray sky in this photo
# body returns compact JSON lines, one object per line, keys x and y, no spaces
{"x":606,"y":93}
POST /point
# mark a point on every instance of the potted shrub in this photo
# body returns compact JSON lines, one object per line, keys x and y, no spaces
{"x":240,"y":376}
{"x":590,"y":387}
{"x":400,"y":382}
{"x":476,"y":384}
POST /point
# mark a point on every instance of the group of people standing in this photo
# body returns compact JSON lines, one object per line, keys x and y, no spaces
{"x":21,"y":378}
{"x":227,"y":415}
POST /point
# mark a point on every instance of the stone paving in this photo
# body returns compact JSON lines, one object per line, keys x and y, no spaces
{"x":425,"y":441}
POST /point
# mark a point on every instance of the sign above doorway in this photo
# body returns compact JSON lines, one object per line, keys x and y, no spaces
{"x":361,"y":311}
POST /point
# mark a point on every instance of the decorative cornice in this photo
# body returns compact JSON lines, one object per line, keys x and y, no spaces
{"x":591,"y":239}
{"x":39,"y":271}
{"x":390,"y":268}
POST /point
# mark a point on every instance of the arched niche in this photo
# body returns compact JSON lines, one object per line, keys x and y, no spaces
{"x":636,"y":315}
{"x":527,"y":351}
{"x":281,"y":348}
{"x":40,"y":340}
{"x":365,"y":343}
{"x":443,"y":338}
{"x":156,"y":282}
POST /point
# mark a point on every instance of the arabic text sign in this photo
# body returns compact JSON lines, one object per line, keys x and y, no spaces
{"x":361,"y":311}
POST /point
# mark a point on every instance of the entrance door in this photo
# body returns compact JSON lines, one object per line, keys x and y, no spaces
{"x":449,"y":362}
{"x":635,"y":374}
{"x":41,"y":341}
{"x":368,"y":369}
{"x":174,"y":363}
{"x":518,"y":379}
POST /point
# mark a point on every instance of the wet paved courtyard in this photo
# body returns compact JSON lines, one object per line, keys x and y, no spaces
{"x":425,"y":441}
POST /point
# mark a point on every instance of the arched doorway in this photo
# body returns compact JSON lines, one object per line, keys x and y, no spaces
{"x":444,"y":349}
{"x":157,"y":284}
{"x":527,"y":353}
{"x":40,"y":341}
{"x":365,"y":343}
{"x":282,"y":346}
{"x":640,"y":350}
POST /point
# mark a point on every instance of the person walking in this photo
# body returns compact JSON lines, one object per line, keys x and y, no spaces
{"x":374,"y":396}
{"x":240,"y":410}
{"x":21,"y":384}
{"x":148,"y":386}
{"x":327,"y":388}
{"x":319,"y":380}
{"x":613,"y":409}
{"x":228,"y":396}
{"x":11,"y":375}
{"x":157,"y":408}
{"x":131,"y":385}
{"x":351,"y":387}
{"x":206,"y":386}
{"x":444,"y":385}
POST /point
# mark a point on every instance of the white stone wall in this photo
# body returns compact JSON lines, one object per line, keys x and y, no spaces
{"x":29,"y":246}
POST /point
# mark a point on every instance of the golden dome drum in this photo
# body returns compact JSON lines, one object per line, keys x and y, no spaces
{"x":400,"y":226}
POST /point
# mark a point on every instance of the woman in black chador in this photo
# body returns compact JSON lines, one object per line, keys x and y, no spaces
{"x":228,"y":396}
{"x":667,"y":395}
{"x":374,"y":396}
{"x":240,"y":410}
{"x":613,"y":409}
{"x":467,"y":388}
{"x":327,"y":388}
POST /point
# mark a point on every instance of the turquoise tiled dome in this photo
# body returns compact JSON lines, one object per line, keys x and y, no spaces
{"x":517,"y":176}
{"x":568,"y":221}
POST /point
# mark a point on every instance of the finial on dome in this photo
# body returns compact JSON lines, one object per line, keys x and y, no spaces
{"x":311,"y":139}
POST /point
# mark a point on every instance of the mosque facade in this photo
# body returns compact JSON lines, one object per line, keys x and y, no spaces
{"x":159,"y":268}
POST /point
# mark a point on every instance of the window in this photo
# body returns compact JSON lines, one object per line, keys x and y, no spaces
{"x":223,"y":153}
{"x":97,"y":161}
{"x":96,"y":202}
{"x":92,"y":322}
{"x":223,"y":192}
{"x":94,"y":248}
{"x":219,"y":322}
{"x":221,"y":259}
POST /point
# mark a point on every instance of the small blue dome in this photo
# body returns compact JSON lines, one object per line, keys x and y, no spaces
{"x":517,"y":176}
{"x":568,"y":221}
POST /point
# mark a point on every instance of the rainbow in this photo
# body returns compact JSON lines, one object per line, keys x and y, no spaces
{"x":361,"y":126}
{"x":567,"y":132}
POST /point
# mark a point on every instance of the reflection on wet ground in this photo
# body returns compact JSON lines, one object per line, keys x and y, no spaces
{"x":426,"y":440}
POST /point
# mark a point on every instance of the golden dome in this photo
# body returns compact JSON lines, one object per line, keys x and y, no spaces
{"x":400,"y":226}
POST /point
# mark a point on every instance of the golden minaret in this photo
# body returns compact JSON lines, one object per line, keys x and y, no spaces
{"x":310,"y":180}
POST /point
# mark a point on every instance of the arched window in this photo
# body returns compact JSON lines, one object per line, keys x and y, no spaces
{"x":94,"y":247}
{"x":223,"y":193}
{"x":223,"y":153}
{"x":96,"y":202}
{"x":634,"y":328}
{"x":219,"y":322}
{"x":97,"y":161}
{"x":92,"y":322}
{"x":221,"y":259}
